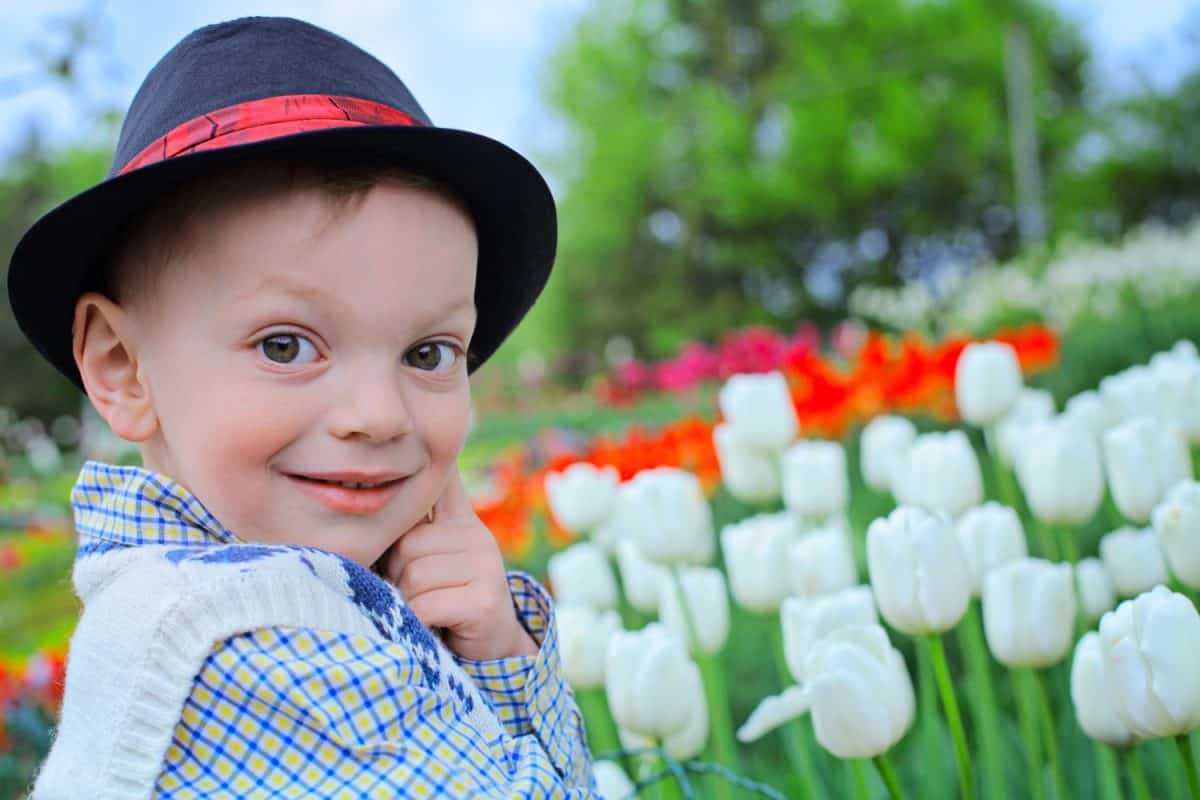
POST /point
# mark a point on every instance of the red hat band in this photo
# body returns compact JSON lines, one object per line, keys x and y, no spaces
{"x":266,"y":118}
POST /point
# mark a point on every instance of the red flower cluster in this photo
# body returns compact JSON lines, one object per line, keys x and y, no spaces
{"x":909,"y":376}
{"x":39,"y":680}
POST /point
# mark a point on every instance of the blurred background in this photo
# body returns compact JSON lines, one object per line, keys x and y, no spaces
{"x":847,"y":190}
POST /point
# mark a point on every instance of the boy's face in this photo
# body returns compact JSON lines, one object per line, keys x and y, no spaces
{"x":293,"y":344}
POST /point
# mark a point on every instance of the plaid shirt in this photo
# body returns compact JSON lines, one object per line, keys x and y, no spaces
{"x":293,"y":712}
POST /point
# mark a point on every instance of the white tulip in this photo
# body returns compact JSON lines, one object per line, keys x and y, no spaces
{"x":621,"y":522}
{"x":940,"y":474}
{"x":815,"y":482}
{"x":884,"y":443}
{"x":761,"y":408}
{"x":987,"y":382}
{"x":807,"y":620}
{"x":1129,"y":394}
{"x":1178,"y":386}
{"x":1029,"y":612}
{"x":990,"y":535}
{"x":611,"y":781}
{"x":821,"y":561}
{"x":708,"y":606}
{"x":751,"y":474}
{"x":1133,"y":560}
{"x":858,"y":690}
{"x":1061,"y":472}
{"x":756,"y":557}
{"x":583,"y":636}
{"x":1033,"y":405}
{"x":1089,"y":410}
{"x":1149,"y":646}
{"x":1096,"y":591}
{"x":918,"y":571}
{"x":675,"y":521}
{"x":1177,"y":525}
{"x":581,"y":575}
{"x":582,"y":495}
{"x":654,"y":689}
{"x":1090,"y":695}
{"x":640,"y":576}
{"x":1144,"y":457}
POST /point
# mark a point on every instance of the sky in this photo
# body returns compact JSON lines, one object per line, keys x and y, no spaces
{"x":473,"y":64}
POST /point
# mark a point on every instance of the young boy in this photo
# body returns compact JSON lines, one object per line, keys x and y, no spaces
{"x":279,"y":294}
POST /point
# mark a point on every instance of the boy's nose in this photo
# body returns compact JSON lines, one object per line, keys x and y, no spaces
{"x":372,"y":406}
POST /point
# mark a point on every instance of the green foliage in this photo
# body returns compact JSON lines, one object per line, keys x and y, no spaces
{"x":723,"y":149}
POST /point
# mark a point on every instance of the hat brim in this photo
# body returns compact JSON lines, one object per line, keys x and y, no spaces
{"x":512,"y":206}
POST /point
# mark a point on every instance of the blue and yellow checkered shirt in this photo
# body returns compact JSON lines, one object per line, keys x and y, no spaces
{"x":294,"y":712}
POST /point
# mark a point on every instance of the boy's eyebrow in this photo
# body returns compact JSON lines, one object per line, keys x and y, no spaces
{"x":309,"y":293}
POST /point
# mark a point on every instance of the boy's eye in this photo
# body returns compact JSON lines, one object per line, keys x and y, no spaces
{"x":288,"y":348}
{"x":431,"y":355}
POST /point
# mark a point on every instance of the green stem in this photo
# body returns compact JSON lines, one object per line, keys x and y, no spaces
{"x":1189,"y":764}
{"x":983,"y":701}
{"x":1106,"y":772}
{"x":1115,"y":518}
{"x":933,"y":775}
{"x":1051,"y":737}
{"x":724,"y":747}
{"x":793,"y":732}
{"x":857,"y":778}
{"x":1070,"y":548}
{"x":1006,"y":485}
{"x":889,"y":777}
{"x":1027,"y":719}
{"x":950,"y":706}
{"x":1047,"y":546}
{"x":1137,"y":778}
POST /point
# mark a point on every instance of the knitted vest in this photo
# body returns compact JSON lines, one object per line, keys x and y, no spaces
{"x":152,"y":615}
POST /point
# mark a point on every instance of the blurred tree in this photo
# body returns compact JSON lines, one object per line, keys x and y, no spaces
{"x":740,"y":161}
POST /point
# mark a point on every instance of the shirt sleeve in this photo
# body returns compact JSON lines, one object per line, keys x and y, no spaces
{"x":530,"y":694}
{"x":293,"y":712}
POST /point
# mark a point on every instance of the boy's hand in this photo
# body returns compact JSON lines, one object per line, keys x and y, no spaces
{"x":452,"y":576}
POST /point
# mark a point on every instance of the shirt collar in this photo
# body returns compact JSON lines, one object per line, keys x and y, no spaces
{"x":128,"y":505}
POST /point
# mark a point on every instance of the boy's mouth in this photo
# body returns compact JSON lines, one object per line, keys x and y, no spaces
{"x":351,"y":493}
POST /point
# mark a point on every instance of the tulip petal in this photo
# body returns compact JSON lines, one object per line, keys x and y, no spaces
{"x":772,"y":712}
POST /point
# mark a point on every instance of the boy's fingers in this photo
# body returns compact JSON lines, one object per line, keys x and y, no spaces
{"x":453,"y":501}
{"x":441,"y":608}
{"x":436,"y":571}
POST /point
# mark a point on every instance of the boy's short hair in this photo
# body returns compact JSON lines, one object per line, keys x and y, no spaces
{"x":151,"y":240}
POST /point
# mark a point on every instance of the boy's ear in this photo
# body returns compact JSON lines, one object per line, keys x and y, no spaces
{"x":107,"y":358}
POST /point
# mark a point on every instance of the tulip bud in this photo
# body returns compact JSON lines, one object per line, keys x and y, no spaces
{"x":1129,"y":394}
{"x":582,"y":495}
{"x":583,"y":635}
{"x":990,"y":535}
{"x":941,"y":474}
{"x":708,"y":607}
{"x":815,"y":484}
{"x":1096,"y":591}
{"x":760,"y":408}
{"x":751,"y":474}
{"x":1144,"y":457}
{"x":918,"y":571}
{"x":860,"y":692}
{"x":581,"y":575}
{"x":756,"y":558}
{"x":821,"y":561}
{"x":1133,"y":561}
{"x":1178,"y":386}
{"x":884,"y":443}
{"x":1033,"y":405}
{"x":1088,"y":410}
{"x":1177,"y":525}
{"x":1149,"y":646}
{"x":640,"y":576}
{"x":987,"y":382}
{"x":807,"y":620}
{"x":654,"y":689}
{"x":611,"y":781}
{"x":675,"y":522}
{"x":1061,"y":475}
{"x":1094,"y":707}
{"x":1029,"y":612}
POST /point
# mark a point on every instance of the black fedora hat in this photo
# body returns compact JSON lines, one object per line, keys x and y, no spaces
{"x":277,"y":87}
